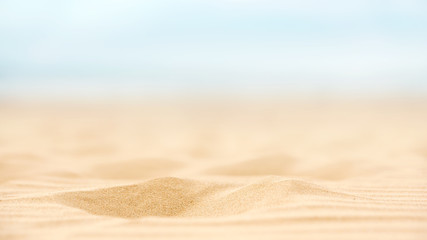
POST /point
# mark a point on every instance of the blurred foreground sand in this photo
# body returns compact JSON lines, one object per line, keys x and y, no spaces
{"x":238,"y":171}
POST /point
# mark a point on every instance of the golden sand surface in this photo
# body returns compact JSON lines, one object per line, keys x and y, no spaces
{"x":307,"y":170}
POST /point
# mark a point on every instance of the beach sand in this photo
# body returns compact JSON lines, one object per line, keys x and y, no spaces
{"x":282,"y":170}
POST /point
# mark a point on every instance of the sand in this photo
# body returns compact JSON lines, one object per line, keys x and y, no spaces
{"x":283,"y":170}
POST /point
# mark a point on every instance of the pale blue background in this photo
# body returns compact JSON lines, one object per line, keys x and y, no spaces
{"x":142,"y":48}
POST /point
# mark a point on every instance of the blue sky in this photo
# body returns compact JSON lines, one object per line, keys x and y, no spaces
{"x":123,"y":47}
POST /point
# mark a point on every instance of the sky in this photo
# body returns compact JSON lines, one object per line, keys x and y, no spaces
{"x":119,"y":48}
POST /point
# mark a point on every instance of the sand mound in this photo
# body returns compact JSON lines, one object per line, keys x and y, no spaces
{"x":168,"y":197}
{"x":281,"y":165}
{"x":269,"y":165}
{"x":158,"y":197}
{"x":134,"y":169}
